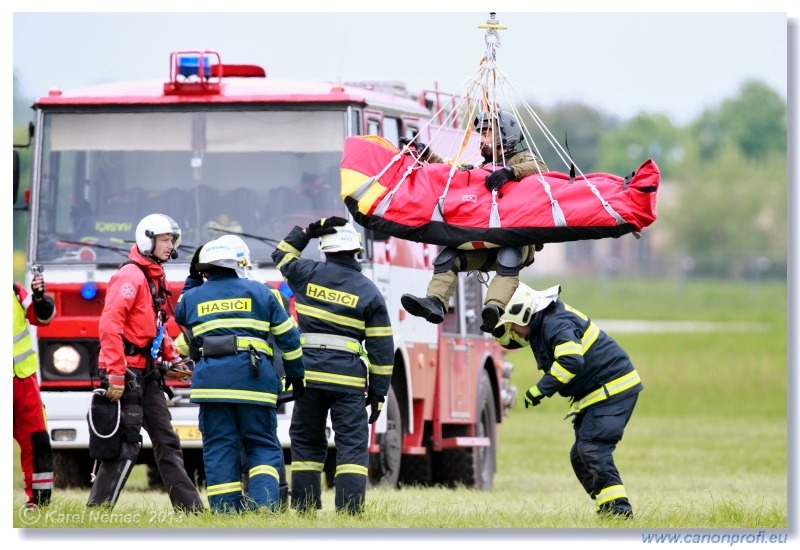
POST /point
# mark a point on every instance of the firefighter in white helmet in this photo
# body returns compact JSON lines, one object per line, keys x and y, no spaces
{"x":585,"y":364}
{"x":133,"y":343}
{"x":234,"y":382}
{"x":338,"y":309}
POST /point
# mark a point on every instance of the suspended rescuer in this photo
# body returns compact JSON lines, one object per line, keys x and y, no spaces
{"x":338,"y":308}
{"x":585,"y":364}
{"x":191,"y":349}
{"x":230,"y":319}
{"x":30,"y":423}
{"x":135,"y":355}
{"x":502,"y":145}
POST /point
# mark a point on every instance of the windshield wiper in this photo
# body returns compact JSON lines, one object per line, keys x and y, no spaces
{"x":90,"y":244}
{"x":265,"y":240}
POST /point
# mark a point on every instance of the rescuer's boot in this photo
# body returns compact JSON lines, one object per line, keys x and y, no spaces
{"x":429,"y":307}
{"x":490,"y":316}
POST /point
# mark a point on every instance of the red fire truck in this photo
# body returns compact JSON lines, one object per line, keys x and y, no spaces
{"x":222,"y":148}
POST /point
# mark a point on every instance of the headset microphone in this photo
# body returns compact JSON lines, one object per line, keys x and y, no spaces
{"x":173,"y":255}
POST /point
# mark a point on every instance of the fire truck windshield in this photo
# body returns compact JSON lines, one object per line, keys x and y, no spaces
{"x":213,"y":171}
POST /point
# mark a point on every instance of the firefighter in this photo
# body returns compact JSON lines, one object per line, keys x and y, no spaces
{"x":30,"y":422}
{"x":501,"y":144}
{"x":585,"y":364}
{"x":338,"y":309}
{"x":133,"y":344}
{"x":235,"y":382}
{"x":244,"y":268}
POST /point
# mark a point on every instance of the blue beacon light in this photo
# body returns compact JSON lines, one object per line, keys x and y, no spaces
{"x":189,"y":65}
{"x":285,"y":290}
{"x":89,"y":290}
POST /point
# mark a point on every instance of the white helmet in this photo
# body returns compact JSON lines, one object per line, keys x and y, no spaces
{"x":527,"y":301}
{"x":242,"y":254}
{"x":346,"y":238}
{"x":217,"y":253}
{"x":153,"y":225}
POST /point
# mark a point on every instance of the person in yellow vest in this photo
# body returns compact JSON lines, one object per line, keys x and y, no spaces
{"x":30,"y":423}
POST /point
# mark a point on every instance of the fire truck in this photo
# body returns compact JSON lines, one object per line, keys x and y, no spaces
{"x":222,"y":148}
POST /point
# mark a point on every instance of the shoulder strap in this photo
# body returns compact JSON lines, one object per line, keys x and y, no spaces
{"x":158,"y":300}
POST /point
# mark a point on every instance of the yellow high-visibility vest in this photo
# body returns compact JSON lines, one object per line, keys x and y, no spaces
{"x":25,"y":359}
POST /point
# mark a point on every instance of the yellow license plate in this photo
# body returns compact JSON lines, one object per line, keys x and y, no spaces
{"x":188,"y":433}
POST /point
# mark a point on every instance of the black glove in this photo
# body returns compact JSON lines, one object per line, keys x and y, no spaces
{"x":416,"y":147}
{"x":375,"y":402}
{"x":193,"y":273}
{"x":325,"y":226}
{"x":297,"y":385}
{"x":496,"y":179}
{"x":38,"y":293}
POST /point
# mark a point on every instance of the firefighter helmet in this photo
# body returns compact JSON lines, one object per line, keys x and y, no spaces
{"x":527,"y":301}
{"x":346,"y":238}
{"x":217,"y":253}
{"x":242,"y":253}
{"x":507,"y":124}
{"x":152,"y":225}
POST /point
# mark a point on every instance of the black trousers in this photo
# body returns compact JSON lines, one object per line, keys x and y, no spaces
{"x":598,"y":430}
{"x":146,"y":407}
{"x":310,"y":447}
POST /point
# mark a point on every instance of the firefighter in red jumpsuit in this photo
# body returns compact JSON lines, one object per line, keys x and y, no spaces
{"x":30,"y":423}
{"x":131,"y":330}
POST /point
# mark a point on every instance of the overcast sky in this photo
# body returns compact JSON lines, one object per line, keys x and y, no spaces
{"x":673,"y":63}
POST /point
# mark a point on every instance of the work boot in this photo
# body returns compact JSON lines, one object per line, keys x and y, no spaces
{"x":429,"y":307}
{"x":490,"y":315}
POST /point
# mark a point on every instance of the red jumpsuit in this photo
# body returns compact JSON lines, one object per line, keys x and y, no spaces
{"x":30,"y":424}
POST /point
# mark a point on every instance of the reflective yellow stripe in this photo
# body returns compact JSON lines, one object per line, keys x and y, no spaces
{"x":337,"y":379}
{"x":561,"y":374}
{"x":264,"y":469}
{"x":568,"y":348}
{"x":244,"y":343}
{"x":228,"y":394}
{"x":614,"y":387}
{"x":330,"y":341}
{"x":377,"y":332}
{"x":612,"y":492}
{"x":25,"y":359}
{"x":202,"y":328}
{"x":292,"y":354}
{"x":286,"y":326}
{"x":381,"y":369}
{"x":356,"y":469}
{"x":302,"y":466}
{"x":317,"y":313}
{"x":291,"y":254}
{"x":224,"y":488}
{"x":590,"y":336}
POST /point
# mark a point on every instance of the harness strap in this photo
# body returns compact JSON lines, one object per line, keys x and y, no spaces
{"x":318,"y":340}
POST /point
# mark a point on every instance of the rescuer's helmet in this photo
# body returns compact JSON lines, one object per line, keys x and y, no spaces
{"x":156,"y":224}
{"x":527,"y":301}
{"x":346,"y":238}
{"x":508,"y":125}
{"x":217,"y":253}
{"x":242,"y":254}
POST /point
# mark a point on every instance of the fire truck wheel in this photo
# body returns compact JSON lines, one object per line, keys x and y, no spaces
{"x":72,"y":468}
{"x":474,"y":467}
{"x":384,"y":467}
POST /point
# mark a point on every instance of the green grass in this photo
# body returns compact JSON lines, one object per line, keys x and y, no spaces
{"x":706,"y":448}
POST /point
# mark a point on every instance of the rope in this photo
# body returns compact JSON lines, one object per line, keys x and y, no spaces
{"x":102,"y":392}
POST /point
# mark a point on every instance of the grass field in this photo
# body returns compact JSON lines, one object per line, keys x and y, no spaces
{"x":707,"y":447}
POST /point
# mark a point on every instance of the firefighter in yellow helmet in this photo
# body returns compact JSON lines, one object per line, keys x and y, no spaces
{"x":586,"y":365}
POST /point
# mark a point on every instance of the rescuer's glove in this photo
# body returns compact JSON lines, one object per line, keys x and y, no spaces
{"x":533,"y":397}
{"x":496,"y":179}
{"x":38,"y":287}
{"x":116,"y":386}
{"x":178,"y":370}
{"x":325,"y":226}
{"x":297,"y":385}
{"x":193,"y":273}
{"x":375,"y":402}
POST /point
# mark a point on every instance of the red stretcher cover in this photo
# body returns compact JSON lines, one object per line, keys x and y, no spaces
{"x":389,"y":192}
